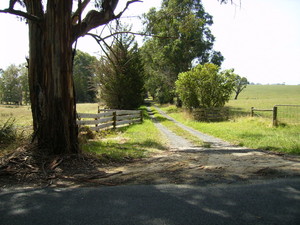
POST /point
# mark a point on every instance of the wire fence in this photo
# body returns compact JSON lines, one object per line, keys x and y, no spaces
{"x":282,"y":114}
{"x":289,"y":114}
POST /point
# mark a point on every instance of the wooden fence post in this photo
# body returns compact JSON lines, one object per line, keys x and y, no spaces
{"x":141,"y":114}
{"x":252,"y":111}
{"x":96,"y":125}
{"x":275,"y":122}
{"x":114,"y":119}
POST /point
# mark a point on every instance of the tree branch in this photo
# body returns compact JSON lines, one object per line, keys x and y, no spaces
{"x":95,"y":18}
{"x":232,"y":2}
{"x":20,"y":13}
{"x":12,"y":4}
{"x":134,"y":33}
{"x":126,"y":7}
{"x":99,"y":40}
{"x":81,"y":7}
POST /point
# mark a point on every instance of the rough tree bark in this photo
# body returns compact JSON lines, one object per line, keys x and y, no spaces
{"x":50,"y":76}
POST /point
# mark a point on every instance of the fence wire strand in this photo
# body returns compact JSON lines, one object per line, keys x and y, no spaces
{"x":289,"y":114}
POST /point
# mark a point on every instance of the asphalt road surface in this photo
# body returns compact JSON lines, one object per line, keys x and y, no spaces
{"x":264,"y":202}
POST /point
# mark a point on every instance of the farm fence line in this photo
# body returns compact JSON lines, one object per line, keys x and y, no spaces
{"x":282,"y":114}
{"x":109,"y":118}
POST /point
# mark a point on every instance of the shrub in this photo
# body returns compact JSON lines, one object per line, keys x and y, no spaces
{"x":205,"y":86}
{"x":8,"y":132}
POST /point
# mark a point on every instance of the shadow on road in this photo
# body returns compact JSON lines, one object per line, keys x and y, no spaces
{"x":272,"y":202}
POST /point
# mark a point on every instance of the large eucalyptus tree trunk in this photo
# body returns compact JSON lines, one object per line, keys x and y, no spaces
{"x":50,"y":76}
{"x":51,"y":34}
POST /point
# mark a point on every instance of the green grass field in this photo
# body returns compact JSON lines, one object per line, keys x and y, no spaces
{"x":264,"y":97}
{"x":23,"y":117}
{"x":22,"y":114}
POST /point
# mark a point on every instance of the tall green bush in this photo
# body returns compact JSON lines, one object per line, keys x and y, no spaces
{"x":205,"y":86}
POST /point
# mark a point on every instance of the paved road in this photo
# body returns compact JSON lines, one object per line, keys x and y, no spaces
{"x":270,"y":202}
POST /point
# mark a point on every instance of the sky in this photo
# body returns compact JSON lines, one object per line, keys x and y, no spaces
{"x":260,"y":39}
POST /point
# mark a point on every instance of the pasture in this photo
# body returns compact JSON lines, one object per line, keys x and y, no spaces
{"x":264,"y":97}
{"x":22,"y":114}
{"x":23,"y":117}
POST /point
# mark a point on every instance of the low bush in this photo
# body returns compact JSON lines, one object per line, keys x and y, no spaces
{"x":8,"y":131}
{"x":205,"y":86}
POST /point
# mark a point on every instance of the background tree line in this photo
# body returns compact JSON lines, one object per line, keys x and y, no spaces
{"x":14,"y":88}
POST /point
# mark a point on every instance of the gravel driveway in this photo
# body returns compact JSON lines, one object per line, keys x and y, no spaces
{"x":222,"y":162}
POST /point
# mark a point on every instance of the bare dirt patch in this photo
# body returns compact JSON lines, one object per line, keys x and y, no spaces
{"x":27,"y":168}
{"x":200,"y":165}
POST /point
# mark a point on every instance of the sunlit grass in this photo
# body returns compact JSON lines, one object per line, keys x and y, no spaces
{"x":246,"y":131}
{"x":127,"y":143}
{"x":87,"y":107}
{"x":21,"y":114}
{"x":264,"y":97}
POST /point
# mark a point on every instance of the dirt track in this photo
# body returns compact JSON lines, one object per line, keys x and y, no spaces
{"x":221,"y":163}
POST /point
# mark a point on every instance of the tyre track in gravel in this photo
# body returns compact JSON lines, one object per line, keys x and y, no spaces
{"x":175,"y":141}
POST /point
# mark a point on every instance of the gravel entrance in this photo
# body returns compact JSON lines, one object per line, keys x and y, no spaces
{"x":223,"y":162}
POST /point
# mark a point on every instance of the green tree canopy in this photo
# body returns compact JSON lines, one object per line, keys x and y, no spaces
{"x":14,"y":87}
{"x":205,"y":86}
{"x":185,"y":38}
{"x":84,"y":73}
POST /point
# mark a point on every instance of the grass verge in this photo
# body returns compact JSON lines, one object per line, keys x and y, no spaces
{"x":127,"y":143}
{"x":246,"y":131}
{"x":10,"y":136}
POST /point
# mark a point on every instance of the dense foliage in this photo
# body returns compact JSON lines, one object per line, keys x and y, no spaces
{"x":205,"y":86}
{"x":181,"y":38}
{"x":84,"y":72}
{"x":14,"y":88}
{"x":120,"y":75}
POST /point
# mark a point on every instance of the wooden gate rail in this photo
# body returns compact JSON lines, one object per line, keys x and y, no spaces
{"x":274,"y":110}
{"x":110,"y":118}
